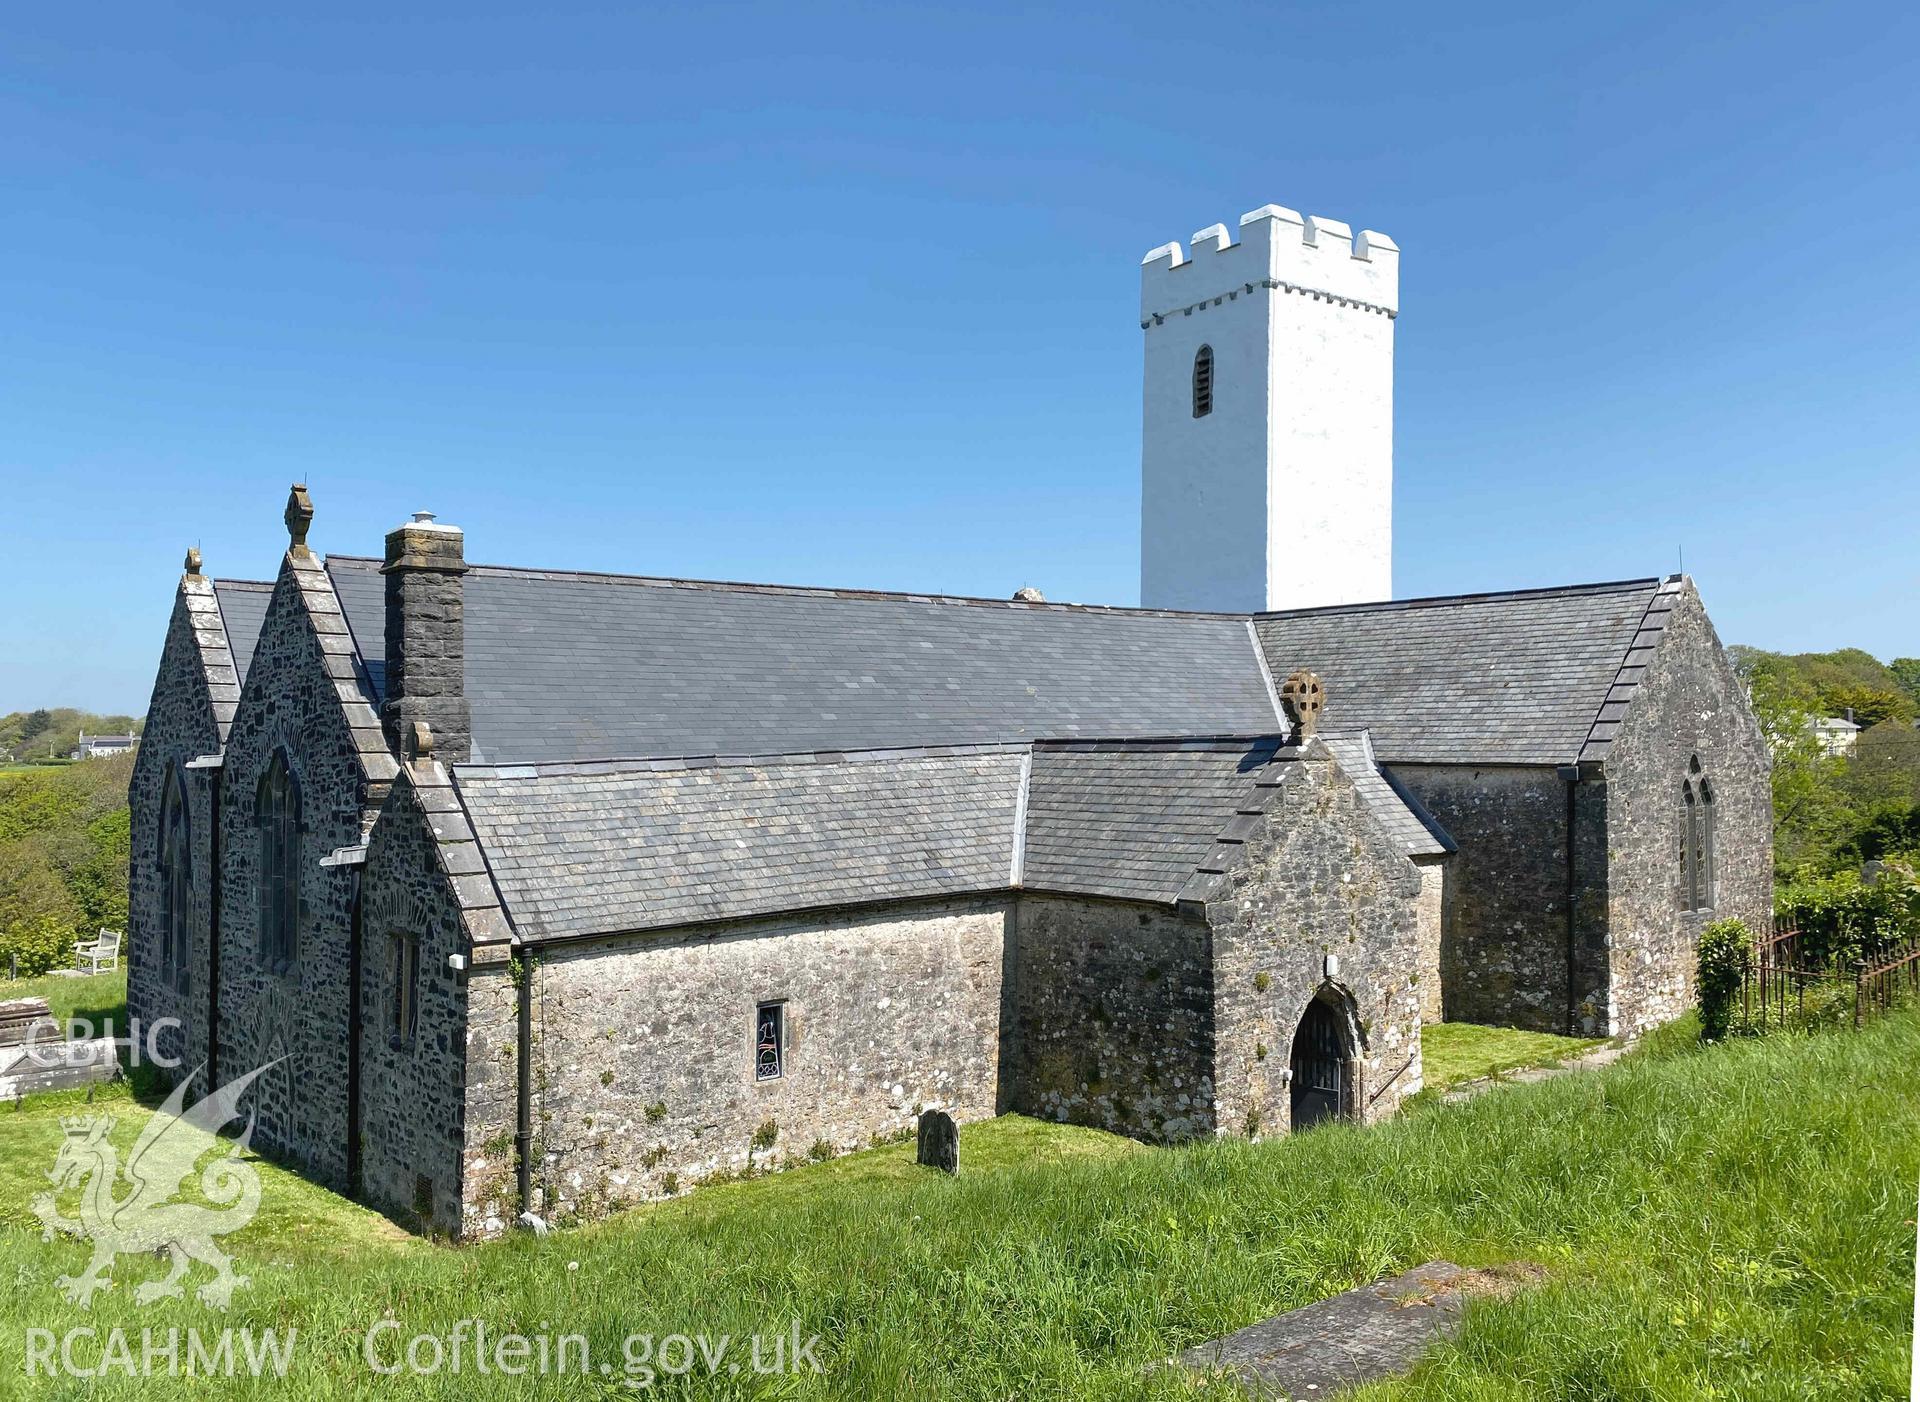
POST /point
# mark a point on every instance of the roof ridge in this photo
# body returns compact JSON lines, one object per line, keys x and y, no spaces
{"x":818,"y":591}
{"x":1554,"y":591}
{"x":634,"y":764}
{"x":810,"y":591}
{"x":265,"y":584}
{"x":1083,"y":744}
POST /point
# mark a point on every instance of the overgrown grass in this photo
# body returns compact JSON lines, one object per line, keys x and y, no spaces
{"x":94,"y":997}
{"x":1734,"y":1221}
{"x":1454,"y":1052}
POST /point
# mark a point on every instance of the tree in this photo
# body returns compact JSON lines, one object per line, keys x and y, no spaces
{"x":36,"y":725}
{"x":1906,"y":671}
{"x":31,"y":888}
{"x":1870,"y":704}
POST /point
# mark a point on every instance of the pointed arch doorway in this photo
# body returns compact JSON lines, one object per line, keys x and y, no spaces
{"x":1323,"y":1082}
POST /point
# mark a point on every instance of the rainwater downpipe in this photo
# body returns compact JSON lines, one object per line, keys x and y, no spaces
{"x":523,"y":1079}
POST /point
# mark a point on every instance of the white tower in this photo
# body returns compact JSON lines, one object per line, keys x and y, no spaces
{"x":1267,"y":449}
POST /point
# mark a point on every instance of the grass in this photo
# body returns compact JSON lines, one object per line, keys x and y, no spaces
{"x":1735,"y":1222}
{"x":94,"y":997}
{"x":1454,"y":1052}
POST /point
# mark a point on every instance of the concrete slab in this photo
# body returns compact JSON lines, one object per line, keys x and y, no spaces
{"x":1376,"y":1331}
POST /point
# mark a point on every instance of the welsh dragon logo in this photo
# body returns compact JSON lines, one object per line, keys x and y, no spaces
{"x":145,"y":1220}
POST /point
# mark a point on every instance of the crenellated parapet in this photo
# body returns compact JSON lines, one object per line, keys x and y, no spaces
{"x":1277,"y":249}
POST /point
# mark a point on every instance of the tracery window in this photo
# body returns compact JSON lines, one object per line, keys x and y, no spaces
{"x":769,"y":1041}
{"x":1696,"y":838}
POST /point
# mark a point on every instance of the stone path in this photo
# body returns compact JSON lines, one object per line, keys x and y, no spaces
{"x":1376,"y":1331}
{"x":1526,"y":1075}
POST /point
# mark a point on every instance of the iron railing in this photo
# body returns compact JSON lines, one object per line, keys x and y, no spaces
{"x":1782,"y":974}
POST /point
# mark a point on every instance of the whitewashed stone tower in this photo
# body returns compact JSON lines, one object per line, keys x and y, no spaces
{"x":1267,"y":450}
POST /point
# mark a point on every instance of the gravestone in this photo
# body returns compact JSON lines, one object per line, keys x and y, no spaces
{"x":1376,"y":1331}
{"x":939,"y":1141}
{"x":26,"y":1019}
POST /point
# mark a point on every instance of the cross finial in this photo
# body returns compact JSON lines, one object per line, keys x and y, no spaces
{"x":1303,"y":696}
{"x":420,"y":741}
{"x":193,"y":561}
{"x":299,"y":516}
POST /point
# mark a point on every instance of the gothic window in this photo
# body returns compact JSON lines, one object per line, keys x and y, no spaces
{"x":403,"y":978}
{"x":176,"y":875}
{"x":1696,"y":838}
{"x":277,"y":814}
{"x":769,"y":1041}
{"x":1203,"y":382}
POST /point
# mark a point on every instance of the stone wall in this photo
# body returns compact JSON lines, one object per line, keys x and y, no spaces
{"x":489,"y":1186}
{"x":1503,"y":949}
{"x":1689,"y":703}
{"x":296,"y":701}
{"x":1114,"y":1017}
{"x":1321,"y":878}
{"x":643,"y":1069}
{"x":1429,"y":920}
{"x":412,"y":1091}
{"x":181,"y":726}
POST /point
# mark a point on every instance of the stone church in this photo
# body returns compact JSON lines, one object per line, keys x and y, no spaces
{"x":548,"y":891}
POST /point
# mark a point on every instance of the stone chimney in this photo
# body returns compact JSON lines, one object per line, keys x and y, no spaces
{"x":426,"y":637}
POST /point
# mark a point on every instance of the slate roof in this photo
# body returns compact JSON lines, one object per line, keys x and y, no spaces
{"x":1412,"y":826}
{"x":611,"y":847}
{"x":1134,"y":819}
{"x":569,"y":666}
{"x":1516,"y":678}
{"x":582,"y":666}
{"x":580,"y":850}
{"x":243,"y":610}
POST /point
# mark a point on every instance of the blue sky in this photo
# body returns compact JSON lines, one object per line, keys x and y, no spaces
{"x":847,"y":295}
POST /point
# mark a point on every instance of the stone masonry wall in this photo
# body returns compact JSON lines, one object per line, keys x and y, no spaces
{"x":489,"y":1198}
{"x":1503,"y":955}
{"x":1429,"y":920}
{"x":1689,"y":703}
{"x":181,"y":726}
{"x":643,"y":1066}
{"x":1114,"y":1017}
{"x":412,"y":1092}
{"x":296,"y":701}
{"x":1320,"y":877}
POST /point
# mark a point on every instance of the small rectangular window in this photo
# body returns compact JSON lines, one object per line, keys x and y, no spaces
{"x":403,"y":976}
{"x":769,"y":1041}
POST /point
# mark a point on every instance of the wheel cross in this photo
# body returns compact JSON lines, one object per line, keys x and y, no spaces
{"x":1303,"y":696}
